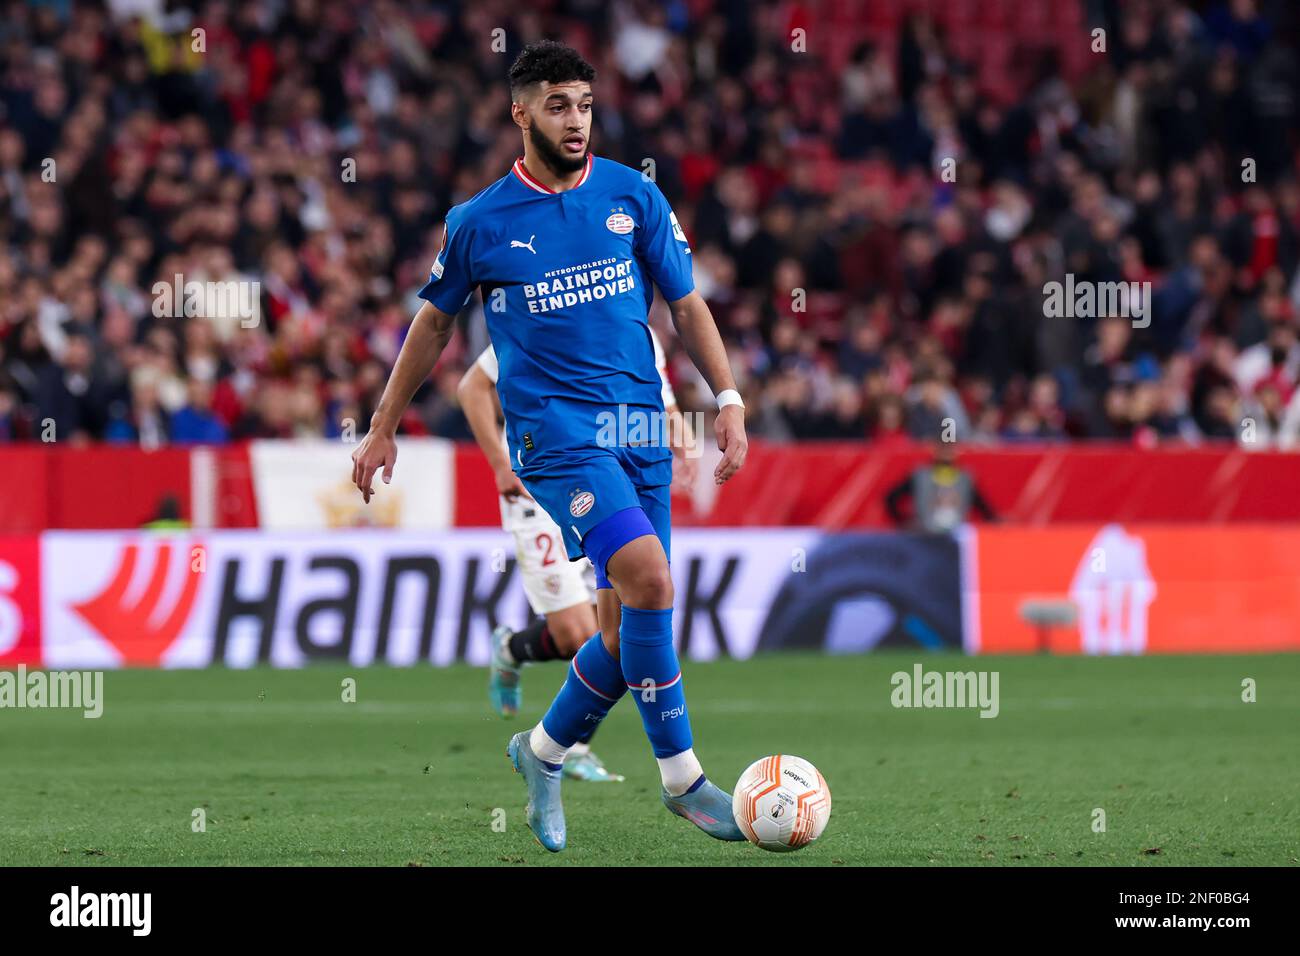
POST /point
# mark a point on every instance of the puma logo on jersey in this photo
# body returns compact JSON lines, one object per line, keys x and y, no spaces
{"x":516,"y":244}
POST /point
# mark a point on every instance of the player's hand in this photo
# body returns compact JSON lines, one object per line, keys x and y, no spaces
{"x":510,"y":487}
{"x":377,"y":450}
{"x":730,"y":429}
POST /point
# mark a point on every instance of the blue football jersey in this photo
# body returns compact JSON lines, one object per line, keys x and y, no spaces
{"x":567,"y":284}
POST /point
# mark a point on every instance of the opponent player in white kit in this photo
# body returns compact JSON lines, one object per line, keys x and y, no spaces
{"x":560,"y":592}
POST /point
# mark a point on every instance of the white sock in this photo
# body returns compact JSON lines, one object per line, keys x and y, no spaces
{"x":580,"y":748}
{"x":545,"y":747}
{"x":679,"y":771}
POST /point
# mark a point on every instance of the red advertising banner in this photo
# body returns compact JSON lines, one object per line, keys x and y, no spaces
{"x":843,"y":485}
{"x":1136,"y":589}
{"x":20,"y":601}
{"x":829,"y":485}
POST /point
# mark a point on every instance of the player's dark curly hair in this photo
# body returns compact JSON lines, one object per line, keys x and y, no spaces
{"x":548,"y":61}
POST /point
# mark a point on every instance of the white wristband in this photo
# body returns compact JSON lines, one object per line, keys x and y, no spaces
{"x":729,"y":396}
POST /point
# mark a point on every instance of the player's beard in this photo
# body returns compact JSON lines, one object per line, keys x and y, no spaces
{"x":553,"y":157}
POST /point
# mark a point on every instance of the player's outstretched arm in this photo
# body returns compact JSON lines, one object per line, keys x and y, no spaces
{"x":478,"y":401}
{"x":699,"y":333}
{"x":428,"y":336}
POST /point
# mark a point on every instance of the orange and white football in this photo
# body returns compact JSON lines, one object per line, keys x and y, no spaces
{"x":781,"y":803}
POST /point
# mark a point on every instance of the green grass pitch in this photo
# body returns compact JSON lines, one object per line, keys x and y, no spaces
{"x":287,"y":773}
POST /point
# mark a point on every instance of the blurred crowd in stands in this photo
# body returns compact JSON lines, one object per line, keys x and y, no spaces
{"x":877,"y":193}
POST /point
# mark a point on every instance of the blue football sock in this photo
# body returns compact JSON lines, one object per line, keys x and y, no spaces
{"x":594,"y":685}
{"x":654,"y":676}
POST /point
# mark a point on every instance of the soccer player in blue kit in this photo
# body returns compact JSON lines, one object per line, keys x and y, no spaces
{"x":564,"y":249}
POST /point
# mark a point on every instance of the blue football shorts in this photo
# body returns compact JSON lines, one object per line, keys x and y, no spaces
{"x":602,"y":499}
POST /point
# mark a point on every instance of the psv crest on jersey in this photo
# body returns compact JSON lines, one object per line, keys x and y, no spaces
{"x":620,"y":223}
{"x":581,"y":503}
